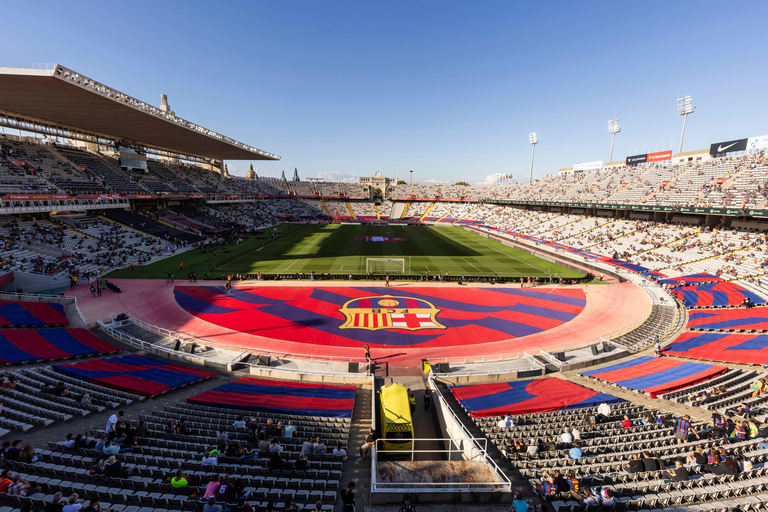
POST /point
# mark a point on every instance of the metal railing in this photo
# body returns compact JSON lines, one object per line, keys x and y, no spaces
{"x":168,"y":333}
{"x":112,"y":330}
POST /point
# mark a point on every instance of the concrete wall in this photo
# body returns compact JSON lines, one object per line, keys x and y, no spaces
{"x":31,"y":283}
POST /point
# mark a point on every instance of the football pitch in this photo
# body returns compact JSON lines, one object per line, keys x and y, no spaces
{"x":344,"y":249}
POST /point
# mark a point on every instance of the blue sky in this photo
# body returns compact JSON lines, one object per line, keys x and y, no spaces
{"x":447,"y":89}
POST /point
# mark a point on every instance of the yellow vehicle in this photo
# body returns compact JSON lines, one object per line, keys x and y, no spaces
{"x":397,"y":426}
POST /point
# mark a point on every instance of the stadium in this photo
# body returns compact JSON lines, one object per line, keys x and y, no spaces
{"x":180,"y":338}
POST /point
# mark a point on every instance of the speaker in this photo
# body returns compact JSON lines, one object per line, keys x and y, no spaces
{"x":606,"y":346}
{"x":443,"y":367}
{"x":560,"y":356}
{"x":189,"y":348}
{"x":264,"y":360}
{"x":354,"y":367}
{"x":594,"y":349}
{"x":176,"y":344}
{"x":121,"y":317}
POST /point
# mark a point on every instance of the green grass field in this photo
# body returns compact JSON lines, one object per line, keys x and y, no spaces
{"x":334,"y":249}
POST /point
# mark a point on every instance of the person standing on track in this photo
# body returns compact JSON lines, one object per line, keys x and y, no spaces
{"x":367,"y":353}
{"x":387,"y":281}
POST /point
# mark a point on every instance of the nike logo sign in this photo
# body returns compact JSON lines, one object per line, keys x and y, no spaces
{"x":720,"y":149}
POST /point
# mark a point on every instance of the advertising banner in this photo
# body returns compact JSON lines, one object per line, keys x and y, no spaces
{"x":20,"y":163}
{"x":722,"y":148}
{"x":637,"y":159}
{"x":588,"y":166}
{"x":757,"y":142}
{"x":81,"y":168}
{"x":35,"y":197}
{"x":660,"y":156}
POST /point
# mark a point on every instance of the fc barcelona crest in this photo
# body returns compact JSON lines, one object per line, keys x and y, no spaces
{"x":388,"y":312}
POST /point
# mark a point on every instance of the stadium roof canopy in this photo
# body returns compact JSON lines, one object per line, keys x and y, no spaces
{"x":63,"y":99}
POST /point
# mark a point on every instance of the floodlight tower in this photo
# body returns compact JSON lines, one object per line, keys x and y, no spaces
{"x":411,"y":178}
{"x":613,"y":129}
{"x":534,"y":141}
{"x":684,"y":107}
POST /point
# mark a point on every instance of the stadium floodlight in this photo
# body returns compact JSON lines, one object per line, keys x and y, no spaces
{"x":684,"y":107}
{"x":534,"y":141}
{"x":411,"y":178}
{"x":613,"y":129}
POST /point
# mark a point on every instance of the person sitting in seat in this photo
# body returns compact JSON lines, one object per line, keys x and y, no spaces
{"x":679,"y":473}
{"x":575,"y":452}
{"x":339,"y":452}
{"x":319,"y":448}
{"x":209,"y":459}
{"x":635,"y":465}
{"x":626,"y":423}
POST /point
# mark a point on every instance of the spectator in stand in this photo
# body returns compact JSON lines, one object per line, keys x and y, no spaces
{"x":211,"y":505}
{"x":239,"y":423}
{"x":14,"y":450}
{"x":99,"y":446}
{"x":20,"y":487}
{"x":340,"y":452}
{"x":533,"y":447}
{"x":55,"y":505}
{"x":29,"y":455}
{"x":73,"y":504}
{"x":209,"y":459}
{"x":679,"y":473}
{"x":697,"y":458}
{"x":370,"y":441}
{"x":5,"y":480}
{"x":319,"y":448}
{"x":626,"y":423}
{"x":566,"y":437}
{"x":575,"y":452}
{"x":719,"y":425}
{"x":289,"y":430}
{"x":683,"y":429}
{"x":650,"y":463}
{"x":213,"y":487}
{"x":635,"y":465}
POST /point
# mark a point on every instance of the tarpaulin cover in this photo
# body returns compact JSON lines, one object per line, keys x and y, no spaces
{"x":691,"y":279}
{"x":134,"y":374}
{"x":285,"y":397}
{"x":657,"y":375}
{"x":31,"y":313}
{"x":755,"y":319}
{"x":721,"y":346}
{"x":527,"y":397}
{"x":21,"y":345}
{"x":715,"y":294}
{"x":654,"y":274}
{"x":352,"y":316}
{"x":629,"y":266}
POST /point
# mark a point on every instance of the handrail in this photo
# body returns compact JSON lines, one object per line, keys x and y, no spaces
{"x":444,"y":406}
{"x":146,"y":345}
{"x":168,"y":333}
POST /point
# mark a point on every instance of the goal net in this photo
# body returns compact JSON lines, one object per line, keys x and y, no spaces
{"x":385,"y":265}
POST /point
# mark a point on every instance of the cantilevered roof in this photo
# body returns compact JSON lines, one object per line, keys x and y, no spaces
{"x":68,"y":100}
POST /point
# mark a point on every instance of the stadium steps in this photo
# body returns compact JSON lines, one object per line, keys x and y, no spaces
{"x":660,"y":322}
{"x":180,"y":227}
{"x":586,"y":231}
{"x":473,"y":210}
{"x":740,"y":249}
{"x":351,"y":211}
{"x":327,"y":210}
{"x":697,"y":233}
{"x":426,"y":213}
{"x":518,"y":482}
{"x":354,"y":470}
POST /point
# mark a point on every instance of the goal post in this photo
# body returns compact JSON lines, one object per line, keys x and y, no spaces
{"x":387,"y":265}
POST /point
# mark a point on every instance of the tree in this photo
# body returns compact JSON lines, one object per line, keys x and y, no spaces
{"x":401,"y":182}
{"x":462,"y":184}
{"x":377,"y":192}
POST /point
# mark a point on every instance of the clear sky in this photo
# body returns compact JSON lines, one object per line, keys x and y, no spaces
{"x":450,"y":90}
